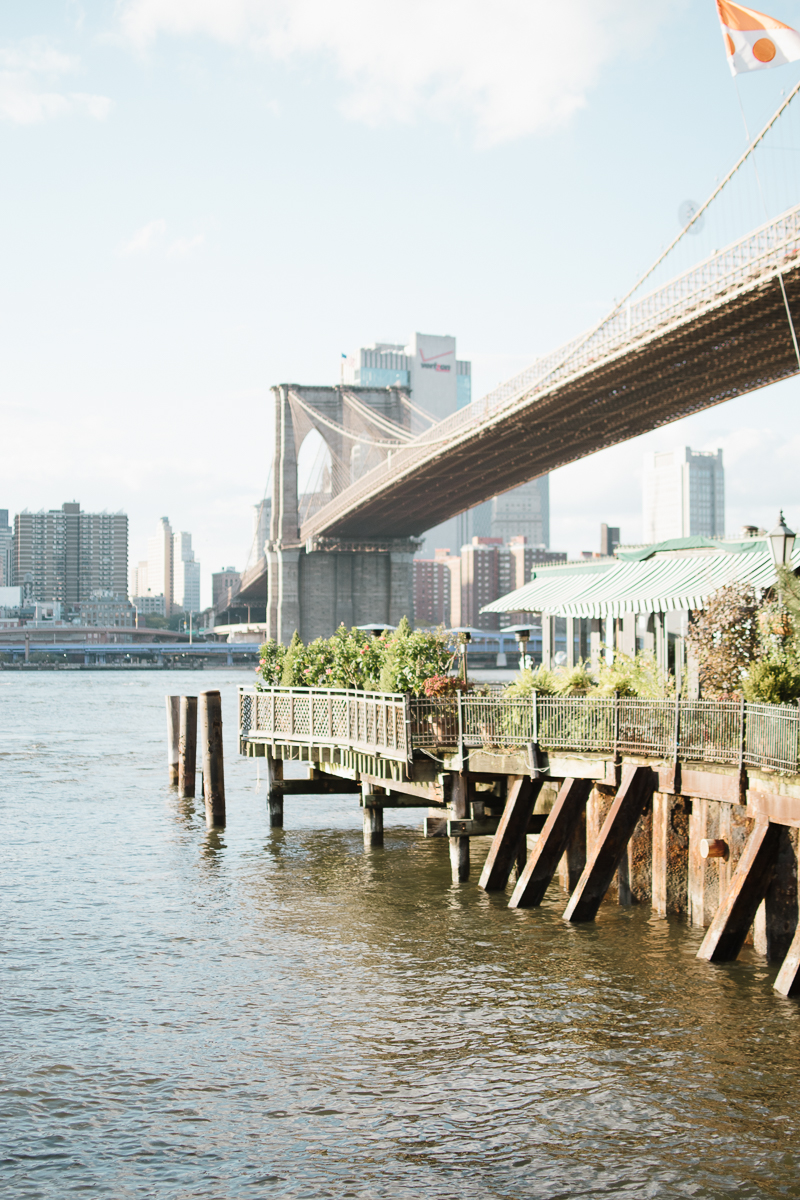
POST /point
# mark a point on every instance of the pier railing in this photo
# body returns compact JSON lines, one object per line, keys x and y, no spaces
{"x":764,"y":736}
{"x":369,"y":722}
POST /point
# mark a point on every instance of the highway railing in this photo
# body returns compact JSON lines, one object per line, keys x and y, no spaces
{"x":765,"y":736}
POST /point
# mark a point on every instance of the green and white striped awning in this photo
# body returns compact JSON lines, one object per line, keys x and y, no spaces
{"x":664,"y":582}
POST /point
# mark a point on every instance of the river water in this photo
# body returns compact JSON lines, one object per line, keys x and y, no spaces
{"x":257,"y":1013}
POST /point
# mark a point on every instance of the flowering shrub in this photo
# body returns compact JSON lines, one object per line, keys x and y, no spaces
{"x":270,"y":663}
{"x":445,"y":685}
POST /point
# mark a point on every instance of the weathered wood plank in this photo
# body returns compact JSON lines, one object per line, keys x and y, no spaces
{"x":636,"y":788}
{"x":728,"y":929}
{"x":511,"y":832}
{"x":316,"y":787}
{"x":434,"y":826}
{"x":488,"y":826}
{"x":543,"y":861}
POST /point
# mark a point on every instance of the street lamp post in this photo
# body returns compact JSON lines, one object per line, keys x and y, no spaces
{"x":464,"y":639}
{"x":522,"y":636}
{"x":781,"y":544}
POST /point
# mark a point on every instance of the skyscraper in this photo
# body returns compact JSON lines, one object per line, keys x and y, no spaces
{"x":441,"y":384}
{"x":160,"y":564}
{"x":6,"y":543}
{"x":186,"y":574}
{"x":683,"y":494}
{"x":68,"y":556}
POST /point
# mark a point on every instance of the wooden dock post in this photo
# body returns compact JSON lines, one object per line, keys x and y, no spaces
{"x":187,"y":747}
{"x":275,"y":791}
{"x":173,"y":730}
{"x":748,"y":887}
{"x":459,"y":846}
{"x":373,"y":817}
{"x":564,"y":817}
{"x":213,"y":771}
{"x":636,"y":788}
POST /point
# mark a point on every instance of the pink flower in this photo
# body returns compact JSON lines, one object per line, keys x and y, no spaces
{"x":329,"y":671}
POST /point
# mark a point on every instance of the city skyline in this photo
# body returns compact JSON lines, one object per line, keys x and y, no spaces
{"x":147,"y":282}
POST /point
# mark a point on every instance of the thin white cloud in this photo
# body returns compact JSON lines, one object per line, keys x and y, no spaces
{"x":28,"y":72}
{"x":147,"y":238}
{"x":513,"y":67}
{"x":182,"y":247}
{"x":153,"y":237}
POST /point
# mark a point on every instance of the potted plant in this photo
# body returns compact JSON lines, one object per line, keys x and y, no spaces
{"x":443,"y":690}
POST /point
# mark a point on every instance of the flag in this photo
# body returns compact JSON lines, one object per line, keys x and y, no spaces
{"x":754,"y":40}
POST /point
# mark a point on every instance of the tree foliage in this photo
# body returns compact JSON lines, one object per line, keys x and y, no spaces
{"x":724,"y":638}
{"x":397,"y":661}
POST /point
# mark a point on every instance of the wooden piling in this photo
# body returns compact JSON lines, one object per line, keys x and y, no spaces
{"x":213,"y":770}
{"x":776,"y":919}
{"x":670,"y":853}
{"x":459,"y":846}
{"x":275,"y":792}
{"x":728,"y":929}
{"x":173,"y":731}
{"x":187,"y":746}
{"x":373,"y":817}
{"x":567,"y":814}
{"x":636,"y":789}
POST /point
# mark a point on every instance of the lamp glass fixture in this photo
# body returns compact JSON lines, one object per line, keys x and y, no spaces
{"x":781,"y":543}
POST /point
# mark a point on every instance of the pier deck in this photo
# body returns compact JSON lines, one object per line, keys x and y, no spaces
{"x":690,"y":806}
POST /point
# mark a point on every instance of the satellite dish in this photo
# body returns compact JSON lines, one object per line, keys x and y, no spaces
{"x":685,"y":214}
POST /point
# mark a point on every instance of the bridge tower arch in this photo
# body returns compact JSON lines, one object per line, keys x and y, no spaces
{"x":313,"y":585}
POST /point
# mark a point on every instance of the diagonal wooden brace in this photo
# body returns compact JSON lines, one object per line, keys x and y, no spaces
{"x":511,"y":832}
{"x":748,"y":887}
{"x":552,"y":842}
{"x":635,"y":790}
{"x":788,"y":980}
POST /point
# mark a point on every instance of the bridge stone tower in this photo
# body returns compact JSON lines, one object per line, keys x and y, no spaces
{"x":314,"y":586}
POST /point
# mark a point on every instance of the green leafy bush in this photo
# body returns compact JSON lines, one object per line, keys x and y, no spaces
{"x":410,"y":657}
{"x":771,"y":681}
{"x":575,"y":681}
{"x":633,"y":676}
{"x":540,"y":680}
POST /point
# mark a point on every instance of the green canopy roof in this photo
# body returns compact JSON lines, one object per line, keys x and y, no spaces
{"x":661,"y":582}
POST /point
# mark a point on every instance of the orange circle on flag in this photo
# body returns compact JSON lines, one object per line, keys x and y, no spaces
{"x":764,"y":50}
{"x":731,"y":47}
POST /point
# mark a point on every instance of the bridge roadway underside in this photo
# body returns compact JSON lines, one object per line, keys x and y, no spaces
{"x":739,"y":346}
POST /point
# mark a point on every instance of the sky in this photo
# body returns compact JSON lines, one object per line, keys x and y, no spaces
{"x":202,"y":198}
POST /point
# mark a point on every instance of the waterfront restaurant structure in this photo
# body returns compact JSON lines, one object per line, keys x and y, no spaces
{"x":639,"y":601}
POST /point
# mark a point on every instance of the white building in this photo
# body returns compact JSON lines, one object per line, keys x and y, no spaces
{"x":185,"y":574}
{"x":683,"y":494}
{"x":168,"y":580}
{"x":439,"y":382}
{"x":6,"y":543}
{"x":160,"y":565}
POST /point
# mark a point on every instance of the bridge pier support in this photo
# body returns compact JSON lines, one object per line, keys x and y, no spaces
{"x":314,"y":590}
